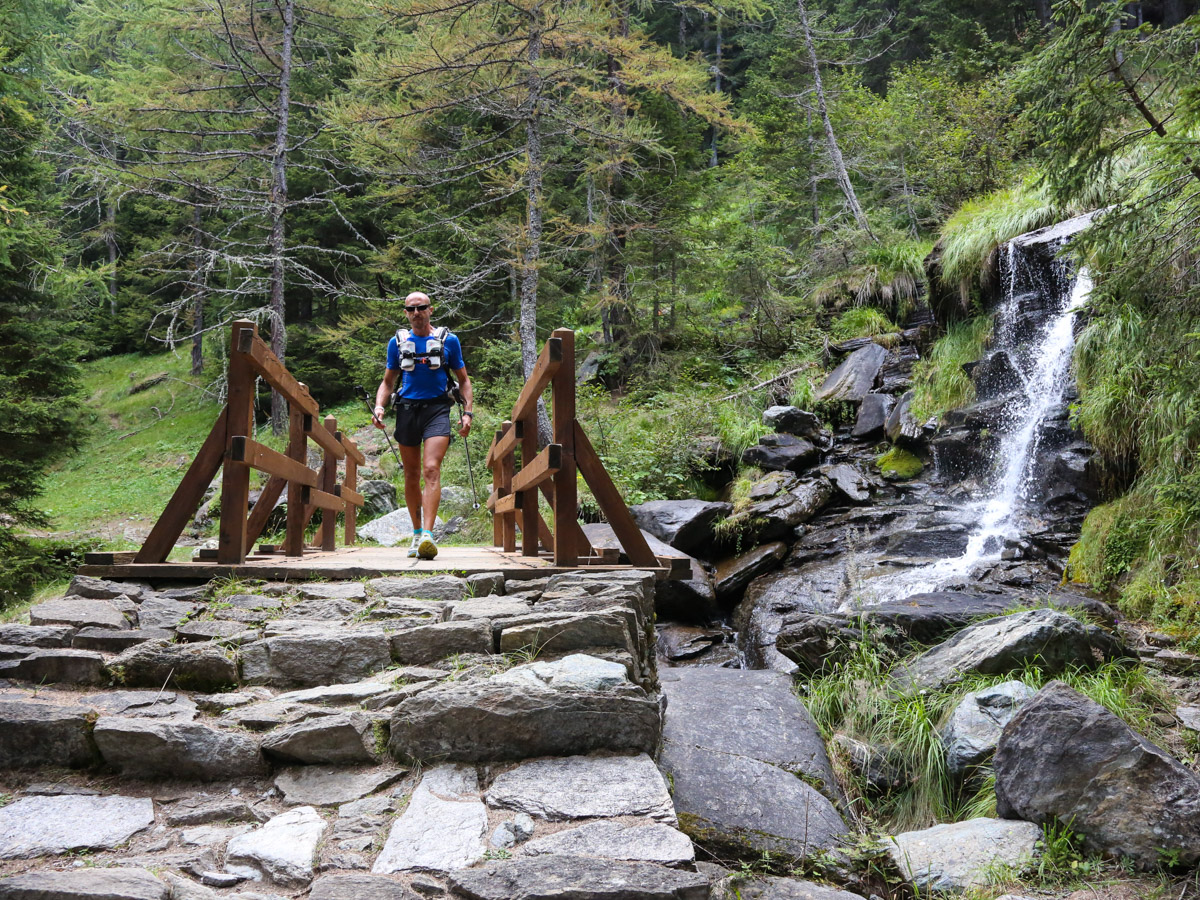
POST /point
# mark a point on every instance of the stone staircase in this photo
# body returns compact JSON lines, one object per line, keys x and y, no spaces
{"x":394,"y":738}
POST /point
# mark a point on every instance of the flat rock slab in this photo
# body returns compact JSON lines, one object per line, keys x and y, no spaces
{"x":429,"y":643}
{"x":1064,"y":756}
{"x":84,"y":884}
{"x":39,"y":636}
{"x":115,"y":640}
{"x":491,"y":721}
{"x":148,"y":748}
{"x":189,"y":667}
{"x":1051,"y":639}
{"x":359,"y":887}
{"x":163,"y":613}
{"x":332,"y":785}
{"x":334,"y":590}
{"x":443,"y":828}
{"x":578,"y":671}
{"x":34,"y":734}
{"x":612,"y":840}
{"x":854,"y":378}
{"x":60,"y":666}
{"x":315,"y":657}
{"x":962,"y":855}
{"x":741,"y":887}
{"x":78,"y":612}
{"x":148,"y":704}
{"x":281,"y":851}
{"x":447,"y":588}
{"x":686,"y":525}
{"x":577,"y":878}
{"x":37,"y":826}
{"x":757,"y":715}
{"x":584,"y":787}
{"x":732,"y":761}
{"x":340,"y":739}
{"x":98,"y":588}
{"x":337,"y":694}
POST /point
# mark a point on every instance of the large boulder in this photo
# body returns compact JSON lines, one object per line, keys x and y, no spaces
{"x":774,"y":517}
{"x":36,"y":734}
{"x":855,"y":377}
{"x":497,"y":720}
{"x":686,"y":525}
{"x":744,"y":758}
{"x":691,"y":599}
{"x":902,"y":427}
{"x":736,"y":572}
{"x":971,"y":735}
{"x":1065,"y":757}
{"x":379,"y":499}
{"x":996,"y":376}
{"x":872,"y":417}
{"x":1051,"y":639}
{"x":793,"y":420}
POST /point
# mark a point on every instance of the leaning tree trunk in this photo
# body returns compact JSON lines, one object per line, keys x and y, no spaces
{"x":835,"y":153}
{"x":278,"y":207}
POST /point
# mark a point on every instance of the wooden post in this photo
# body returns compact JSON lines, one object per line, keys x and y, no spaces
{"x":566,"y":497}
{"x":351,"y":510}
{"x":508,"y":521}
{"x":529,"y":498}
{"x":293,"y":542}
{"x":328,"y":533}
{"x":498,"y":521}
{"x":239,"y":422}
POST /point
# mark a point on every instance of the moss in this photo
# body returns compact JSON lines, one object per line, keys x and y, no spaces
{"x":899,"y":465}
{"x":381,"y":733}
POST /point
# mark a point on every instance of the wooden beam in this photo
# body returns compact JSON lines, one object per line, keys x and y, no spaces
{"x":265,"y":363}
{"x":352,"y":450}
{"x":349,"y":537}
{"x":263,"y":508}
{"x":541,"y":468}
{"x":322,"y":500}
{"x":264,"y":459}
{"x":327,"y":536}
{"x":548,"y":365}
{"x":186,"y":499}
{"x":566,"y":492}
{"x":324,"y":438}
{"x":235,"y":480}
{"x":293,"y":541}
{"x":508,"y":504}
{"x":583,"y":546}
{"x":529,"y":505}
{"x":612,"y":504}
{"x":505,"y":442}
{"x":349,"y":495}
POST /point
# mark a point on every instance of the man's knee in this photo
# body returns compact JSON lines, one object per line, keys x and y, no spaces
{"x":432,"y":472}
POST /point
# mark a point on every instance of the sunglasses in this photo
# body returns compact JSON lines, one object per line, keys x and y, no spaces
{"x":413,"y":309}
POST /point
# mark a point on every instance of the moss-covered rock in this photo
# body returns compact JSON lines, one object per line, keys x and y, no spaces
{"x":899,"y":465}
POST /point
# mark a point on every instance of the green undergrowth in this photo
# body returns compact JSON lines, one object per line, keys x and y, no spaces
{"x":861,"y":321}
{"x":939,"y":381}
{"x":855,"y":697}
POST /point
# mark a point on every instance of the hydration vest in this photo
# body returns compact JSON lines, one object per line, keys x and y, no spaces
{"x":434,"y":356}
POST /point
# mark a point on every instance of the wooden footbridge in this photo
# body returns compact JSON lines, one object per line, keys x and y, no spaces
{"x":521,"y":473}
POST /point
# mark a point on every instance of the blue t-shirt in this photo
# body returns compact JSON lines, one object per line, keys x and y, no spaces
{"x":423,"y":382}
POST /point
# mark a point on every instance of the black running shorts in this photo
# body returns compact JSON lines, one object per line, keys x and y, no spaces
{"x":415,"y":422}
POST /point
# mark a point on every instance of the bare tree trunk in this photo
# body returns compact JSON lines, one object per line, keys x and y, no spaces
{"x":835,"y":153}
{"x":114,"y":253}
{"x":712,"y":162}
{"x":278,"y":205}
{"x":614,"y":311}
{"x":532,"y":251}
{"x":199,"y":291}
{"x":812,"y":176}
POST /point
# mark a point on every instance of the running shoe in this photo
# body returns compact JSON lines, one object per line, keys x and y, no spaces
{"x":416,"y":542}
{"x":427,"y":548}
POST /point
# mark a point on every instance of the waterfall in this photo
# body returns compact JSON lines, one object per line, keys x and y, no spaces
{"x":1039,"y":343}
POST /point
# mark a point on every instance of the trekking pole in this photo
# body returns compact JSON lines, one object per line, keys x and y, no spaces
{"x":366,"y":398}
{"x":467,"y":450}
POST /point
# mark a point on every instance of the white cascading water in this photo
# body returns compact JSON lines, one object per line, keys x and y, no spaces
{"x":1043,"y":365}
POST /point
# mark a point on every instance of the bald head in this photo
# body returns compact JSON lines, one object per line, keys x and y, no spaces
{"x":417,"y":297}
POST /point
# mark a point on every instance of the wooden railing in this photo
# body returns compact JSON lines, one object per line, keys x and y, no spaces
{"x":231,"y":444}
{"x":552,"y":472}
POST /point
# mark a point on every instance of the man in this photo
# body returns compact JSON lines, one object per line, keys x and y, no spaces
{"x":423,"y":412}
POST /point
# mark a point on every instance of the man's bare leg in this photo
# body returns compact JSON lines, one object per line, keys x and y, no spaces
{"x":410,"y":457}
{"x":435,"y":452}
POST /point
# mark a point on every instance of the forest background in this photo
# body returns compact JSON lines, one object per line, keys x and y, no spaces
{"x":708,"y":193}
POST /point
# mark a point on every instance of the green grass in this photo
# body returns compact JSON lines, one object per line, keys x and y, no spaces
{"x":861,"y":321}
{"x":939,"y":382}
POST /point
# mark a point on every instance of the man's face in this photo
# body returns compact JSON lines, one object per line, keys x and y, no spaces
{"x":417,"y":311}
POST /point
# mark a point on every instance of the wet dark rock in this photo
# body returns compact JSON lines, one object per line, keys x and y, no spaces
{"x":734,"y":574}
{"x":902,"y":428}
{"x":872,"y":417}
{"x":793,"y":420}
{"x":996,"y":376}
{"x":896,"y":374}
{"x":686,"y":525}
{"x":776,"y":452}
{"x":687,"y":600}
{"x":852,"y":482}
{"x":760,"y":616}
{"x":944,"y":542}
{"x":775,"y":518}
{"x":716,"y":463}
{"x":686,"y":644}
{"x":855,"y":377}
{"x":1065,"y":758}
